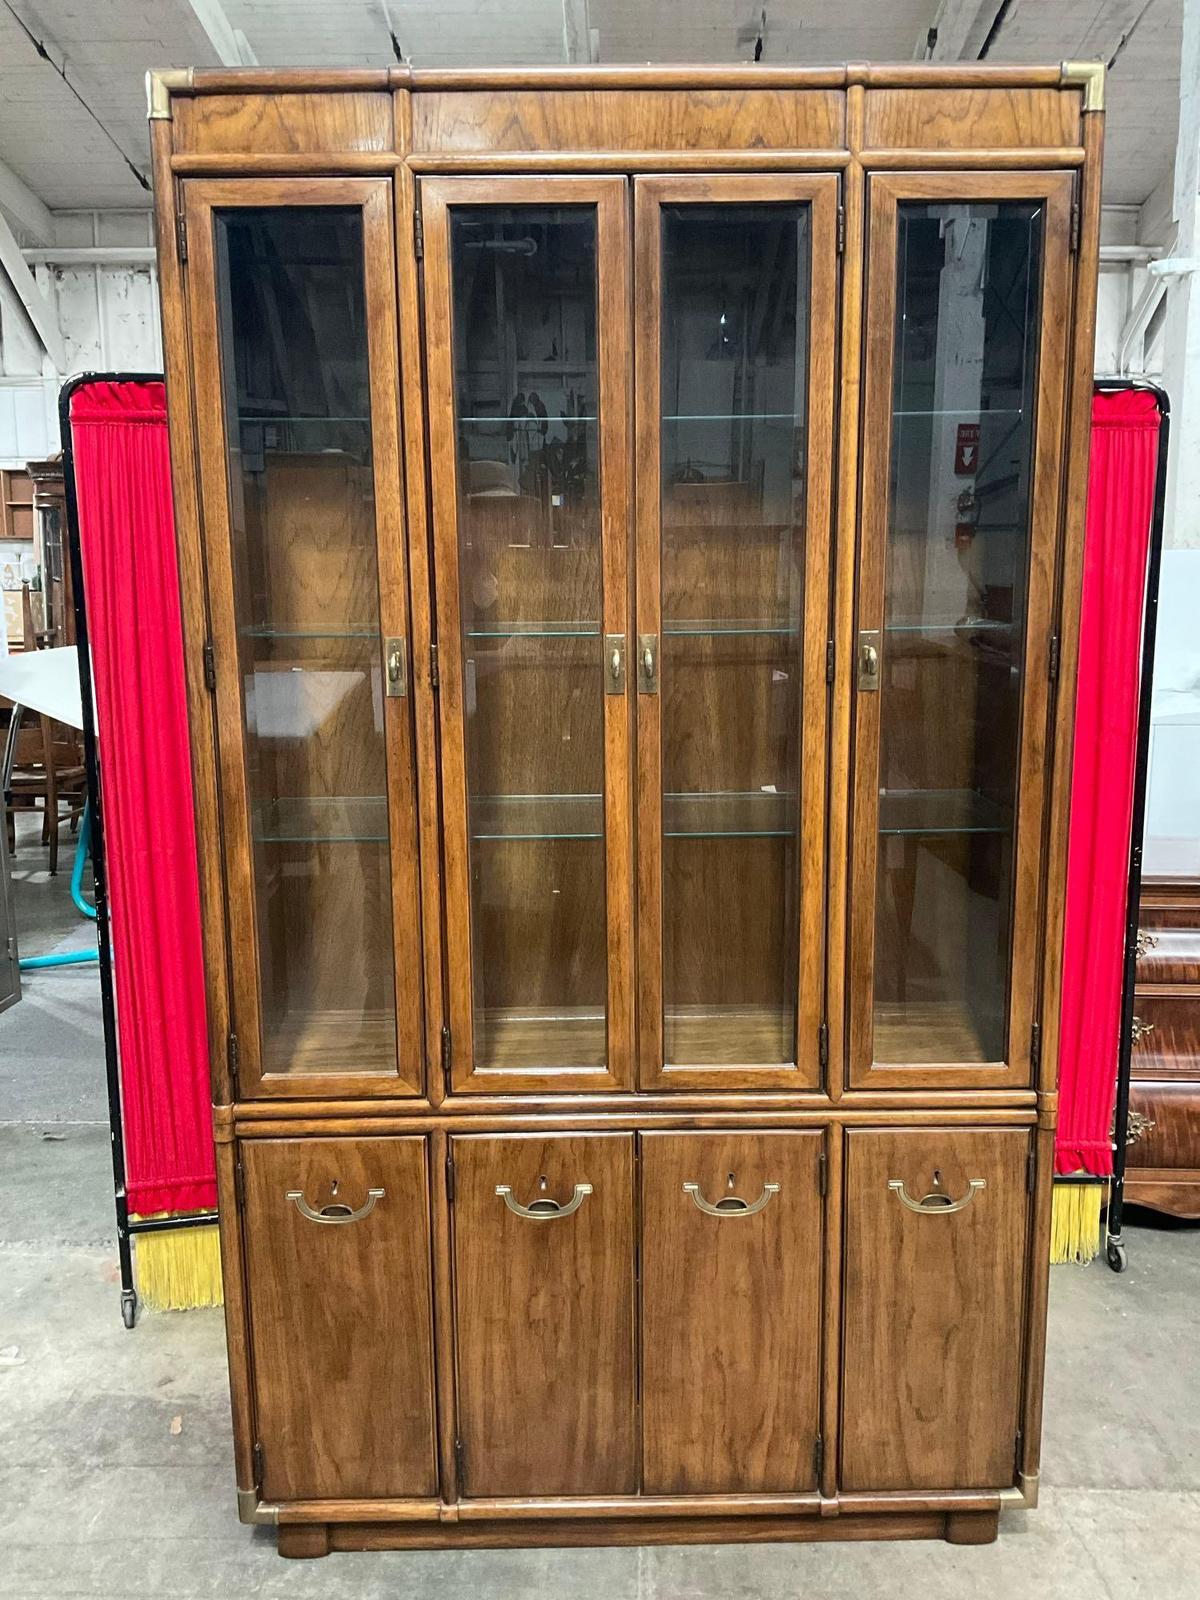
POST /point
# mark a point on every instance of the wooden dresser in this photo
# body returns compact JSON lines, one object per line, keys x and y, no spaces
{"x":631,"y":627}
{"x":1164,"y":1092}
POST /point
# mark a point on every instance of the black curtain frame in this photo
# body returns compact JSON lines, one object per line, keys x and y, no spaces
{"x":1115,"y":1244}
{"x":126,"y":1227}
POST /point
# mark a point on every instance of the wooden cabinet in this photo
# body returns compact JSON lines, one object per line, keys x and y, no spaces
{"x":731,"y":1288}
{"x":630,"y":532}
{"x":544,"y":1314}
{"x":936,"y":1229}
{"x":338,"y":1278}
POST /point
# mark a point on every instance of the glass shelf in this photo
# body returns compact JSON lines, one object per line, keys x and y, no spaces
{"x":968,"y":625}
{"x":735,"y":416}
{"x":973,"y":411}
{"x":292,"y":419}
{"x":324,"y":819}
{"x":732,"y":627}
{"x":529,"y":422}
{"x":536,"y":630}
{"x":759,"y":814}
{"x":940,"y":811}
{"x":256,"y":632}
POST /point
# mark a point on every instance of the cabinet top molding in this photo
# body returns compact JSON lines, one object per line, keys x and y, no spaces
{"x":164,"y":83}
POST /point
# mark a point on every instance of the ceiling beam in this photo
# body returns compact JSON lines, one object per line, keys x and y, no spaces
{"x":232,"y":47}
{"x":961,"y":27}
{"x":23,"y":208}
{"x":37,"y":308}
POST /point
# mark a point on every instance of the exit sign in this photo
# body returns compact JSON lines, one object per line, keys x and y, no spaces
{"x":966,"y":450}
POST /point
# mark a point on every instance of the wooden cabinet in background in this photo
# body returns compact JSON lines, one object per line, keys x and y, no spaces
{"x":630,"y":528}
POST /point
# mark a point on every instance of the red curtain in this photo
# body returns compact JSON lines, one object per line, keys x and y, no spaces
{"x":1124,"y":462}
{"x":131,"y":590}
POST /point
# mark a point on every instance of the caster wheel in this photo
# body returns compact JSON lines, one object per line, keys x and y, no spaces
{"x":1116,"y":1255}
{"x":129,"y":1309}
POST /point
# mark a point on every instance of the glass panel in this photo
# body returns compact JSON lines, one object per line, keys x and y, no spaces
{"x":734,"y":380}
{"x":526,"y":397}
{"x":954,"y":639}
{"x":297,"y":404}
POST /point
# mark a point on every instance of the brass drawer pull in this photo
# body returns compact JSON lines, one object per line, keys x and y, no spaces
{"x":543,"y":1209}
{"x":334,"y":1212}
{"x":936,"y":1202}
{"x":731,"y":1205}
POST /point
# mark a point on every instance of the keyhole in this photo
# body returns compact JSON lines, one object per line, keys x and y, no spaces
{"x":729,"y":1181}
{"x":937,"y":1179}
{"x":542,"y":1184}
{"x":333,"y":1187}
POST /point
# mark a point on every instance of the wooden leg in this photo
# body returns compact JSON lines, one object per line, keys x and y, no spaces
{"x":301,"y":1541}
{"x":972,"y":1527}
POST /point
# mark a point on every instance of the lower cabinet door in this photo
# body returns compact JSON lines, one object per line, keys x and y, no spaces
{"x":544,"y":1310}
{"x":731,"y":1311}
{"x":933,"y":1307}
{"x":337,"y":1262}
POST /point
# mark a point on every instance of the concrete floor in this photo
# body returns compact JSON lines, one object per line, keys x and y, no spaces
{"x":115,"y":1462}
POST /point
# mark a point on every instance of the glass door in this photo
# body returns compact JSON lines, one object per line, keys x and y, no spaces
{"x":736,"y":319}
{"x":967,"y":313}
{"x":528,"y":353}
{"x":294,"y":339}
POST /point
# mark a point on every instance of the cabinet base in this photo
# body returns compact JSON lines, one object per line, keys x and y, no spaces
{"x":306,"y":1540}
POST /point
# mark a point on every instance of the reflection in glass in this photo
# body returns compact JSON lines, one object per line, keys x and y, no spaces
{"x":954,"y":628}
{"x":526,"y":397}
{"x":733,"y":388}
{"x":294,"y":359}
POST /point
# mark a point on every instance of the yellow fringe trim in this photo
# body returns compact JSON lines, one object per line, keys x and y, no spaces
{"x":179,"y":1270}
{"x":1075,"y":1222}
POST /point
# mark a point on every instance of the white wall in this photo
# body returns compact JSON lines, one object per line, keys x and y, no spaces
{"x":108,"y":316}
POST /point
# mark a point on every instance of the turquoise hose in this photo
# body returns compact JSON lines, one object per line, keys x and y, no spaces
{"x":72,"y":958}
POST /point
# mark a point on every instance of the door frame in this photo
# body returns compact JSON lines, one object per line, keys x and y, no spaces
{"x":886,"y":191}
{"x":821,"y":191}
{"x":608,"y":196}
{"x":373,"y":198}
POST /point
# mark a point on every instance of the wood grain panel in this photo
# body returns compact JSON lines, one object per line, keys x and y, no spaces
{"x":1169,"y":1152}
{"x":341,"y":1318}
{"x":292,"y":124}
{"x":631,"y":119}
{"x":965,"y":119}
{"x":932,"y":1310}
{"x":727,"y":1301}
{"x":545,"y":1316}
{"x":1170,"y":1044}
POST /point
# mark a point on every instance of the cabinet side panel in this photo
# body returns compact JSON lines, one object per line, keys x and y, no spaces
{"x":282,"y":124}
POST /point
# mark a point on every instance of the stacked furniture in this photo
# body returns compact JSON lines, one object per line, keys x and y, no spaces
{"x":630,"y":528}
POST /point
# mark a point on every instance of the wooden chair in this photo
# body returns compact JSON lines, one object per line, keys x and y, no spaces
{"x":47,"y":770}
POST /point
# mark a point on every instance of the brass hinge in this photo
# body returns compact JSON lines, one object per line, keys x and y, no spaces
{"x":447,"y":1052}
{"x":418,"y":233}
{"x":823,"y":1044}
{"x":1052,"y":664}
{"x":1031,"y":1170}
{"x":1017,"y":1451}
{"x":210,"y":666}
{"x":233,"y":1055}
{"x":829,"y":660}
{"x":1075,"y":217}
{"x":822,"y":1173}
{"x":841,"y":229}
{"x":460,"y":1465}
{"x":434,"y":676}
{"x":1035,"y":1045}
{"x":181,"y":235}
{"x":258,"y":1466}
{"x":818,"y":1457}
{"x":239,"y":1186}
{"x":450,"y":1176}
{"x":10,"y":947}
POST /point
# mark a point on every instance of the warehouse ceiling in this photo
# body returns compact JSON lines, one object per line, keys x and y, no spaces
{"x":72,"y":104}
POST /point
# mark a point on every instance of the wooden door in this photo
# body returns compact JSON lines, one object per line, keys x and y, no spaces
{"x":936,"y":1224}
{"x":336,"y":1236}
{"x":968,"y":312}
{"x":544,"y":1313}
{"x":526,"y":311}
{"x":732,"y":1225}
{"x":293,"y":325}
{"x":734,"y":352}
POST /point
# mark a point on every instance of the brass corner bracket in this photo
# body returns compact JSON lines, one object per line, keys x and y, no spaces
{"x":161,"y":83}
{"x":253,"y":1511}
{"x":1088,"y":76}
